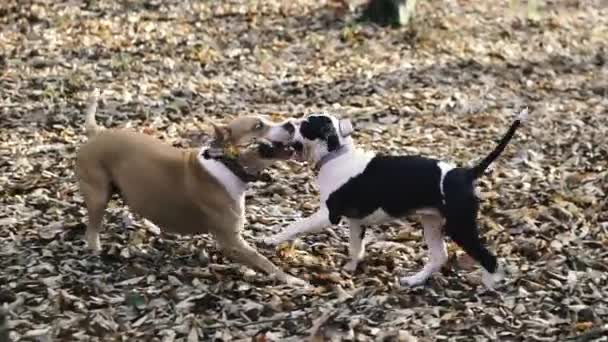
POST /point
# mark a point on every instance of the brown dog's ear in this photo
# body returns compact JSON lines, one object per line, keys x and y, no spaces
{"x":222,"y":133}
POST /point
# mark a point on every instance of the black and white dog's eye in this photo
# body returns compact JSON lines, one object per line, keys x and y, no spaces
{"x":258,"y":126}
{"x":289,"y":127}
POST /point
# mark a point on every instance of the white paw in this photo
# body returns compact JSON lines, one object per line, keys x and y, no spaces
{"x":414,"y":280}
{"x":490,"y":279}
{"x":93,"y":243}
{"x":351,"y":266}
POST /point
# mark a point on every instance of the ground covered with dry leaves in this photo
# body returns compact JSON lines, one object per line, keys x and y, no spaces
{"x":447,"y":88}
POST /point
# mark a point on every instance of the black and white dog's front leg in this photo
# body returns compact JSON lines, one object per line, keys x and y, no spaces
{"x":357,"y":245}
{"x":438,"y":254}
{"x":313,"y":223}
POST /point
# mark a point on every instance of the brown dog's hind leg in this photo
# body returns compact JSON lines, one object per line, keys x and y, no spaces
{"x":96,"y":196}
{"x":236,"y":247}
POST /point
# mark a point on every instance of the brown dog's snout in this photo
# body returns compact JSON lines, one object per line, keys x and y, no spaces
{"x":275,"y":150}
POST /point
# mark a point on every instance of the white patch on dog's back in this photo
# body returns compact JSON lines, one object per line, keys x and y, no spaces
{"x":445,"y":168}
{"x":338,"y":171}
{"x":235,"y":187}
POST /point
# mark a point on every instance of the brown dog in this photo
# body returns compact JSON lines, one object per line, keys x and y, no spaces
{"x":180,"y":190}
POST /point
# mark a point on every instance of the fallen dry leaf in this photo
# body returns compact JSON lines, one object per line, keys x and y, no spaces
{"x":447,"y":87}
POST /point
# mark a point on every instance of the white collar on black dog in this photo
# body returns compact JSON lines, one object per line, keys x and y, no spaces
{"x":332,"y":155}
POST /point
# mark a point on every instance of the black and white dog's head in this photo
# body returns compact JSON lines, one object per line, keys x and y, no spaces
{"x":320,"y":134}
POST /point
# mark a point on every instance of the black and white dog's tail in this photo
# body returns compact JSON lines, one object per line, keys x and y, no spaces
{"x":478,"y":170}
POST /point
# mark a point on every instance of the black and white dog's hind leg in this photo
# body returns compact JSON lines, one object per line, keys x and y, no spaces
{"x":460,"y":210}
{"x":461,"y":227}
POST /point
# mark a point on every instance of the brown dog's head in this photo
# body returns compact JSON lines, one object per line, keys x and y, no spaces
{"x":259,"y":156}
{"x":246,"y":129}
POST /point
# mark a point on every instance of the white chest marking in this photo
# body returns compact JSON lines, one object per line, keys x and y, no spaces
{"x":445,"y":168}
{"x":235,"y":187}
{"x":338,"y":171}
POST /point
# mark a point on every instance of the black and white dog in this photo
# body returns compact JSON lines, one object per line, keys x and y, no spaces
{"x":366,"y":188}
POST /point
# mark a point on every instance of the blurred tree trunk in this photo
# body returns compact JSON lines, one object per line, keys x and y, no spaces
{"x":389,"y":12}
{"x":4,"y":329}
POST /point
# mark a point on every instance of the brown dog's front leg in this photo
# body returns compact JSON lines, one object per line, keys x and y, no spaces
{"x":237,"y":248}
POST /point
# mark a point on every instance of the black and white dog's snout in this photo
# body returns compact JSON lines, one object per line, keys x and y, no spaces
{"x":283,"y":132}
{"x":298,"y":149}
{"x":289,"y":127}
{"x":296,"y":144}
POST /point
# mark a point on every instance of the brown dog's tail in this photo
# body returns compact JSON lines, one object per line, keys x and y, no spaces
{"x":90,"y":125}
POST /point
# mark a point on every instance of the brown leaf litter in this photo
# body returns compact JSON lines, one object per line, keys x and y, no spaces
{"x":446,"y":87}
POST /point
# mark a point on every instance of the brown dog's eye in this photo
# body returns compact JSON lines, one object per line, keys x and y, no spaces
{"x":258,"y":126}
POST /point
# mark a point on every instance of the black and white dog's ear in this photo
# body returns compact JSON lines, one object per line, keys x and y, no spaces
{"x":307,"y":131}
{"x":346,"y":127}
{"x":333,"y":142}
